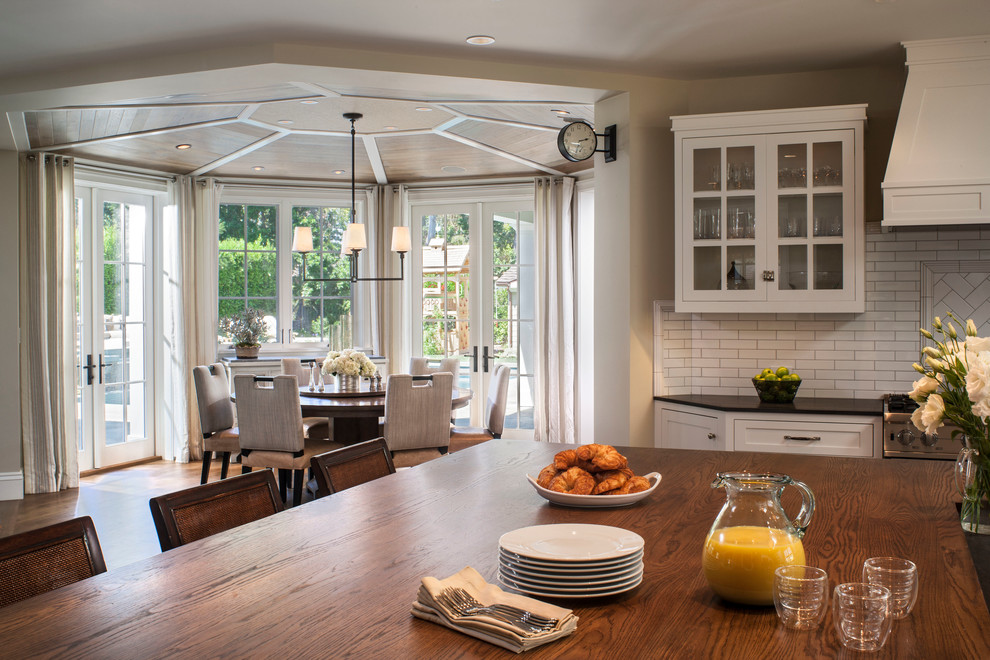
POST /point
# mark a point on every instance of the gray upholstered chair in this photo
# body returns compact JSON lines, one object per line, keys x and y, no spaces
{"x":417,"y":417}
{"x":420,"y":366}
{"x":351,"y":466}
{"x":216,"y":417}
{"x":271,"y":427}
{"x":315,"y":428}
{"x":498,"y":393}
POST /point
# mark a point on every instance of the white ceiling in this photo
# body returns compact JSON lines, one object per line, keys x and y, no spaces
{"x":687,"y":39}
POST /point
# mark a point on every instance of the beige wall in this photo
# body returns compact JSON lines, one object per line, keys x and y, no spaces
{"x":10,"y":405}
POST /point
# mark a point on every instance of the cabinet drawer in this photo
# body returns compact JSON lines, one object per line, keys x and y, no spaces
{"x":812,"y":437}
{"x":684,"y":430}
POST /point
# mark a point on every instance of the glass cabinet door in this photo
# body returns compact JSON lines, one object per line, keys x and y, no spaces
{"x":723,"y":200}
{"x":814,"y":208}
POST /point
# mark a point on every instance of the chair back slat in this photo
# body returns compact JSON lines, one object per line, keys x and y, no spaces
{"x":269,"y":417}
{"x":351,"y":466}
{"x":417,"y":415}
{"x":195,"y":513}
{"x":44,"y":559}
{"x":216,"y":412}
{"x":420,"y":366}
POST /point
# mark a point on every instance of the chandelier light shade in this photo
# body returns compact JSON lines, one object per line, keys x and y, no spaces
{"x":354,"y":239}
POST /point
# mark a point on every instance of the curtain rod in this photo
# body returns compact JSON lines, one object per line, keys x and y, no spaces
{"x":86,"y":167}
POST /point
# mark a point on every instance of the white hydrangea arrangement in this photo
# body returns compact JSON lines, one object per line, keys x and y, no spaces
{"x":349,"y":363}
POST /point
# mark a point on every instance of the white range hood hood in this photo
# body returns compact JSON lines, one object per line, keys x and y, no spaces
{"x":939,"y":167}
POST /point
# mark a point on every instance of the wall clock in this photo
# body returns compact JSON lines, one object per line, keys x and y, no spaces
{"x":578,"y":141}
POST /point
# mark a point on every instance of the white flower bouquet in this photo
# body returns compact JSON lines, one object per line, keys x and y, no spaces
{"x":955,"y":387}
{"x":349,"y":363}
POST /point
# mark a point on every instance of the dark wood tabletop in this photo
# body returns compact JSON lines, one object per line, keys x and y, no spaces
{"x":336,"y":577}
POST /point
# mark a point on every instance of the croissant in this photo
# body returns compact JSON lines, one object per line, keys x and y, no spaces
{"x":574,"y":481}
{"x":611,"y":480}
{"x":565,"y":459}
{"x":546,"y":475}
{"x":634,"y":485}
{"x":603,"y":457}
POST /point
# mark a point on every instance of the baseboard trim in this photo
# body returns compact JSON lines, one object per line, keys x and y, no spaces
{"x":12,"y":485}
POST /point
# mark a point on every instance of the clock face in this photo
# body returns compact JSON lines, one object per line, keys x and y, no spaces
{"x":577,"y":141}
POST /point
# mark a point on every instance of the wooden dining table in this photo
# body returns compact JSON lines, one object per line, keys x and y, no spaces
{"x":336,"y":577}
{"x":354,"y":415}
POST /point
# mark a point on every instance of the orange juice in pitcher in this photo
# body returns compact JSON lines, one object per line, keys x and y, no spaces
{"x":752,"y":536}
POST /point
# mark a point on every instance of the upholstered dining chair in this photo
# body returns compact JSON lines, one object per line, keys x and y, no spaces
{"x":498,"y":393}
{"x":314,"y":428}
{"x":417,"y":417}
{"x":216,"y":416}
{"x":44,"y":559}
{"x":270,"y":421}
{"x":195,"y":513}
{"x":351,"y":466}
{"x":420,"y":366}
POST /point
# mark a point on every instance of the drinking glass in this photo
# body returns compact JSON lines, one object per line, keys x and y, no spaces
{"x":900,"y":576}
{"x":800,"y":594}
{"x":861,"y":613}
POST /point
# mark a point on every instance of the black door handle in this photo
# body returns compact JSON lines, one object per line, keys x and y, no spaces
{"x":484,"y":359}
{"x":102,"y":365}
{"x":88,"y":368}
{"x":474,"y":359}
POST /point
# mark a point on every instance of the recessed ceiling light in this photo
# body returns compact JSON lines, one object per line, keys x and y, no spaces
{"x":183,"y":146}
{"x":560,"y":112}
{"x":390,"y":128}
{"x":257,"y":168}
{"x":424,"y":109}
{"x":339,"y":171}
{"x":790,"y":155}
{"x":285,"y":121}
{"x":480,"y":40}
{"x":309,"y":102}
{"x":453,"y":169}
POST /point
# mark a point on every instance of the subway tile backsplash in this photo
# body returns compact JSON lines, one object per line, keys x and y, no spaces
{"x":911,"y":276}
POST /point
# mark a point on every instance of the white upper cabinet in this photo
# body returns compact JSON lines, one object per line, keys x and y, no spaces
{"x":770,"y":211}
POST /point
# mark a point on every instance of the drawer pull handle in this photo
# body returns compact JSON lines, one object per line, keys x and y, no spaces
{"x":711,"y":436}
{"x":804,"y":438}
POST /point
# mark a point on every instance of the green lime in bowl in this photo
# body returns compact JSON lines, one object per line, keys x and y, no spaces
{"x":776,"y":391}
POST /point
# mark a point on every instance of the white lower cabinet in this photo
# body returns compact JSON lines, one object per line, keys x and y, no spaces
{"x":679,"y":426}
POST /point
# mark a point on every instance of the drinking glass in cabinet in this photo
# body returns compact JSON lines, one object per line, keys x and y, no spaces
{"x":707,"y":169}
{"x":828,"y":215}
{"x":707,"y":219}
{"x":792,"y":216}
{"x":792,"y":166}
{"x":740,"y":173}
{"x":827,"y":162}
{"x":740,"y":218}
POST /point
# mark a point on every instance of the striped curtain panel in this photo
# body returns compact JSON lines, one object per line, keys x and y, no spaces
{"x":47,"y":320}
{"x":554,"y":404}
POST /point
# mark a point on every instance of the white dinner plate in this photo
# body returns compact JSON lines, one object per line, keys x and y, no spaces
{"x":596,"y":501}
{"x":572,"y":542}
{"x":557,"y":582}
{"x":573,"y":567}
{"x":576,"y":593}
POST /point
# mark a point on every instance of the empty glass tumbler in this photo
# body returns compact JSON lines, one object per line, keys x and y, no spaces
{"x":900,"y":576}
{"x":861,"y":613}
{"x":800,"y":595}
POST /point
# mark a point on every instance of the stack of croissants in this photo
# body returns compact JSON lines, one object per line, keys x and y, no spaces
{"x":591,"y":470}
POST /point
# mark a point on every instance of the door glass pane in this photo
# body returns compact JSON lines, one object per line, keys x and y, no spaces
{"x":741,"y":273}
{"x":707,"y":169}
{"x":134,"y":309}
{"x":446,"y":284}
{"x":827,"y":163}
{"x":115,"y":426}
{"x":792,"y":216}
{"x":246,"y":263}
{"x":793,"y":267}
{"x":828,"y":266}
{"x":707,"y":219}
{"x":708,"y":268}
{"x":792,"y":166}
{"x":739,"y":169}
{"x":740,"y":218}
{"x":828,"y":215}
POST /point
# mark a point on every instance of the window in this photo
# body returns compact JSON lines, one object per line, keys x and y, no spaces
{"x":255,"y":268}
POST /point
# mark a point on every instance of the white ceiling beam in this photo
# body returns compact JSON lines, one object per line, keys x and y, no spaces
{"x":18,"y":131}
{"x":376,"y":158}
{"x":316,"y":89}
{"x":508,"y":122}
{"x":153,"y":131}
{"x":254,"y":146}
{"x":187,"y":104}
{"x":499,"y":152}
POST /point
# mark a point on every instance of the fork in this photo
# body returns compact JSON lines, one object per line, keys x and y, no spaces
{"x":463,"y":604}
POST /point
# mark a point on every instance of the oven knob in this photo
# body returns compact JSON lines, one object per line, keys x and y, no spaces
{"x":905,"y":437}
{"x":929,"y":439}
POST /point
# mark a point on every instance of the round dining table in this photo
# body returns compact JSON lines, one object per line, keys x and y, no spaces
{"x":354,"y":415}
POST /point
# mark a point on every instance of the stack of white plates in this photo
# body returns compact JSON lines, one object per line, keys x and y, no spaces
{"x":570,"y":561}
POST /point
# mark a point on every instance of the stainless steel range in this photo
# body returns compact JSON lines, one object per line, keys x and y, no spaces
{"x":901,"y":439}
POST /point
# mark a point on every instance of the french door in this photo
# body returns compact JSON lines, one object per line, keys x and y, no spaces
{"x":474,"y":290}
{"x":114,"y":291}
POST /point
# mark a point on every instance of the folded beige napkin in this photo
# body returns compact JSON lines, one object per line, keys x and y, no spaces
{"x":485,"y":627}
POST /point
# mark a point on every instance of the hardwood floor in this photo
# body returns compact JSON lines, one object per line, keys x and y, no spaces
{"x":117,"y":501}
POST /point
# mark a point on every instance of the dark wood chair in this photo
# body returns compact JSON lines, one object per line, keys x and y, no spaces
{"x":351,"y":466}
{"x":43,"y":559}
{"x":195,"y":513}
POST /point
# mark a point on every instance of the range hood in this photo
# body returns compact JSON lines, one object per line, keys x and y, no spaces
{"x":939,"y":167}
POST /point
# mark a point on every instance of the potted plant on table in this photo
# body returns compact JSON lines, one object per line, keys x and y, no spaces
{"x":955,"y":386}
{"x":247,"y":329}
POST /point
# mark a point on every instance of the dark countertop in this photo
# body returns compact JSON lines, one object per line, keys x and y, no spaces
{"x":801,"y":406}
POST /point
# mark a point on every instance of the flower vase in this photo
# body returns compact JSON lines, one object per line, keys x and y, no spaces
{"x":973,"y":481}
{"x":347,"y":383}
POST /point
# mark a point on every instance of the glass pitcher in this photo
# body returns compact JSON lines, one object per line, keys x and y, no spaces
{"x":752,"y":536}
